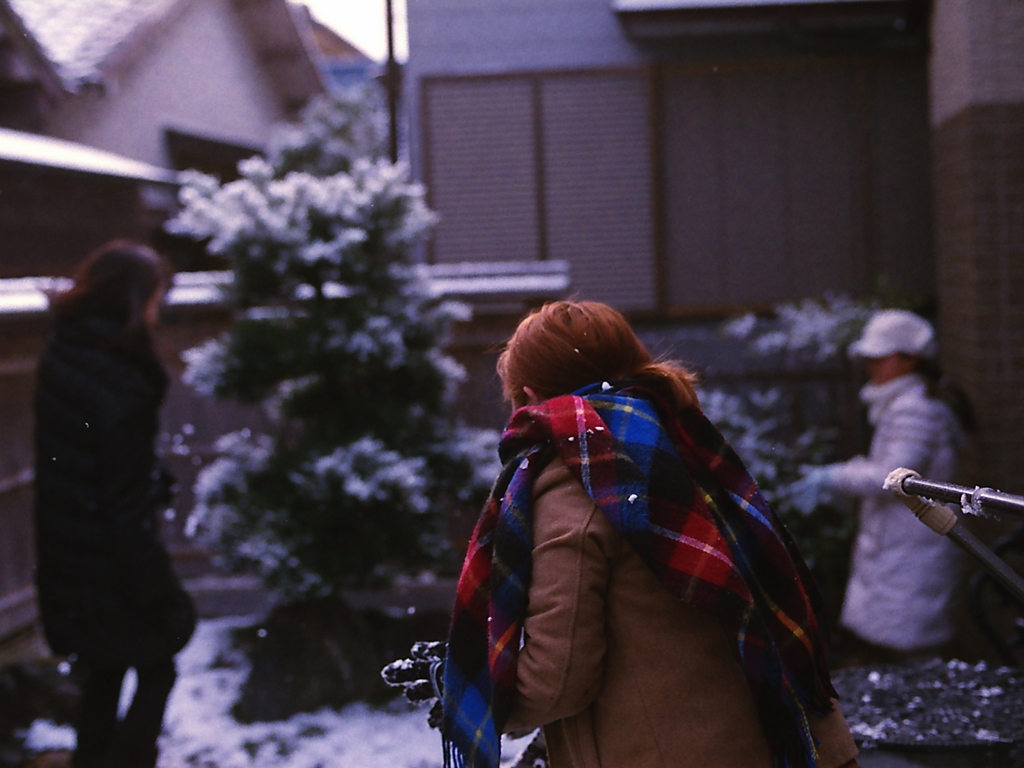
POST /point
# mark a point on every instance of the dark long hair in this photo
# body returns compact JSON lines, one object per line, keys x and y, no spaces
{"x":116,"y":282}
{"x":942,"y":389}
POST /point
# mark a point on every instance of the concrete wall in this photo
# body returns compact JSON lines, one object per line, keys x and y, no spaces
{"x":469,"y":36}
{"x":977,"y":93}
{"x":977,"y":55}
{"x":50,"y":218}
{"x":200,"y":74}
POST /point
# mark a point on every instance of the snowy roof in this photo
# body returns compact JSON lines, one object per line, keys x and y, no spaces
{"x":672,"y":5}
{"x":654,"y":19}
{"x":80,"y":35}
{"x":507,"y":283}
{"x":87,"y":41}
{"x":196,"y":289}
{"x":504,"y":280}
{"x":27,"y":62}
{"x":33,"y":149}
{"x":27,"y":295}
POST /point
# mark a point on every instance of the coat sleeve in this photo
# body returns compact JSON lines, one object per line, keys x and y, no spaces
{"x":561,"y":660}
{"x":836,"y":746}
{"x":909,"y":433}
{"x":126,"y":482}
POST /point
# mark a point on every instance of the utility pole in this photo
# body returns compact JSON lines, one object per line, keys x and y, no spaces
{"x":391,"y":78}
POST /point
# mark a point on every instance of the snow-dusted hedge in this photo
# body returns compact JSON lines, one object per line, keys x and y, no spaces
{"x":770,"y":431}
{"x":338,"y":335}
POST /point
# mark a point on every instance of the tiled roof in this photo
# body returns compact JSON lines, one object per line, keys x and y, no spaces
{"x":80,"y":35}
{"x":488,"y":288}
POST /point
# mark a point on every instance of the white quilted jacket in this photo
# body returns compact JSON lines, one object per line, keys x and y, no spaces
{"x":903,"y":574}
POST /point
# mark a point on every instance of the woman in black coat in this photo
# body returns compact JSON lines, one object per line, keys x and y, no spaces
{"x":107,"y":593}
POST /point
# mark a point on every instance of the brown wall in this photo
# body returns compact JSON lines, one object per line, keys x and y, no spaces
{"x":50,"y":218}
{"x":977,"y":115}
{"x":21,"y":341}
{"x":687,"y":188}
{"x":788,"y":178}
{"x":190,"y":426}
{"x":979,"y":194}
{"x":547,"y":166}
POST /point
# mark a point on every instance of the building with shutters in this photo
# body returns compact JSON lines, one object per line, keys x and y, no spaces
{"x":691,"y":158}
{"x":686,"y":158}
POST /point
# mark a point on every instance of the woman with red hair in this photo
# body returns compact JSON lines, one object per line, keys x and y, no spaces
{"x":627,"y":587}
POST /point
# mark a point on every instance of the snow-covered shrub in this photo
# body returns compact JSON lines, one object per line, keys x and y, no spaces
{"x":770,"y":430}
{"x":761,"y":429}
{"x":333,"y":133}
{"x":337,"y":335}
{"x":811,"y":330}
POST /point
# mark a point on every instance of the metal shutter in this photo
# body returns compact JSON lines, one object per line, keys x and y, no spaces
{"x":481,"y":174}
{"x":598,"y":185}
{"x":764,"y":172}
{"x":901,"y":173}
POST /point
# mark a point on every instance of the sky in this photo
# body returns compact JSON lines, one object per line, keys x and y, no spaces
{"x":363,"y":23}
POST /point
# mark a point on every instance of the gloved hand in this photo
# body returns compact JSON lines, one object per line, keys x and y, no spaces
{"x":421,"y":677}
{"x":164,"y":485}
{"x":811,"y":490}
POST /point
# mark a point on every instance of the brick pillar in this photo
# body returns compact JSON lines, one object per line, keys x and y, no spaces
{"x":977,"y":114}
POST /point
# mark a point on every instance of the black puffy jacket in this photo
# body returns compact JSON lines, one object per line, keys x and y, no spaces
{"x":106,"y":588}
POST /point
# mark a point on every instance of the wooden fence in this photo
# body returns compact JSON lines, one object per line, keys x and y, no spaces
{"x":191,"y":424}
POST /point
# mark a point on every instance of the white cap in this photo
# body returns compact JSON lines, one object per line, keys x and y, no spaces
{"x":895,"y":330}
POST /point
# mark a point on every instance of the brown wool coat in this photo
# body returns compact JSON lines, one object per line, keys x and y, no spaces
{"x":617,"y":670}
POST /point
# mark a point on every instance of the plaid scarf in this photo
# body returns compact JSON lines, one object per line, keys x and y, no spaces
{"x":683,"y":499}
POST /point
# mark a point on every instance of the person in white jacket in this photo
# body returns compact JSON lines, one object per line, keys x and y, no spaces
{"x":903,"y":575}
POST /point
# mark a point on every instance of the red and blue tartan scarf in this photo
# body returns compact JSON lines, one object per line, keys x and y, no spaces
{"x":683,"y":499}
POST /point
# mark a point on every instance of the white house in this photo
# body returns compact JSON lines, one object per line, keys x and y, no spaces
{"x":173,"y":83}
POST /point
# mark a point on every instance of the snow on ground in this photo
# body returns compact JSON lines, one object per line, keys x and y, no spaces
{"x":200,"y":732}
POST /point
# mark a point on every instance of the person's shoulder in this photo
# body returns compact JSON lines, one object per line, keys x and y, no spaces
{"x":96,"y":378}
{"x":913,"y":398}
{"x":556,"y":479}
{"x":917,"y":402}
{"x":563,"y":508}
{"x":916,"y":410}
{"x":555,"y":473}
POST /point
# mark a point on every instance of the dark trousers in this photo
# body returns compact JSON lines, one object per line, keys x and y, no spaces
{"x":105,"y":742}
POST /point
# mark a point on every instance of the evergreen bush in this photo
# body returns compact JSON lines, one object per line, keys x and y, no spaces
{"x":770,"y":429}
{"x":339,"y":337}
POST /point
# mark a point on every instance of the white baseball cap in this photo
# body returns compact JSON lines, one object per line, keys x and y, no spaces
{"x":895,"y":330}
